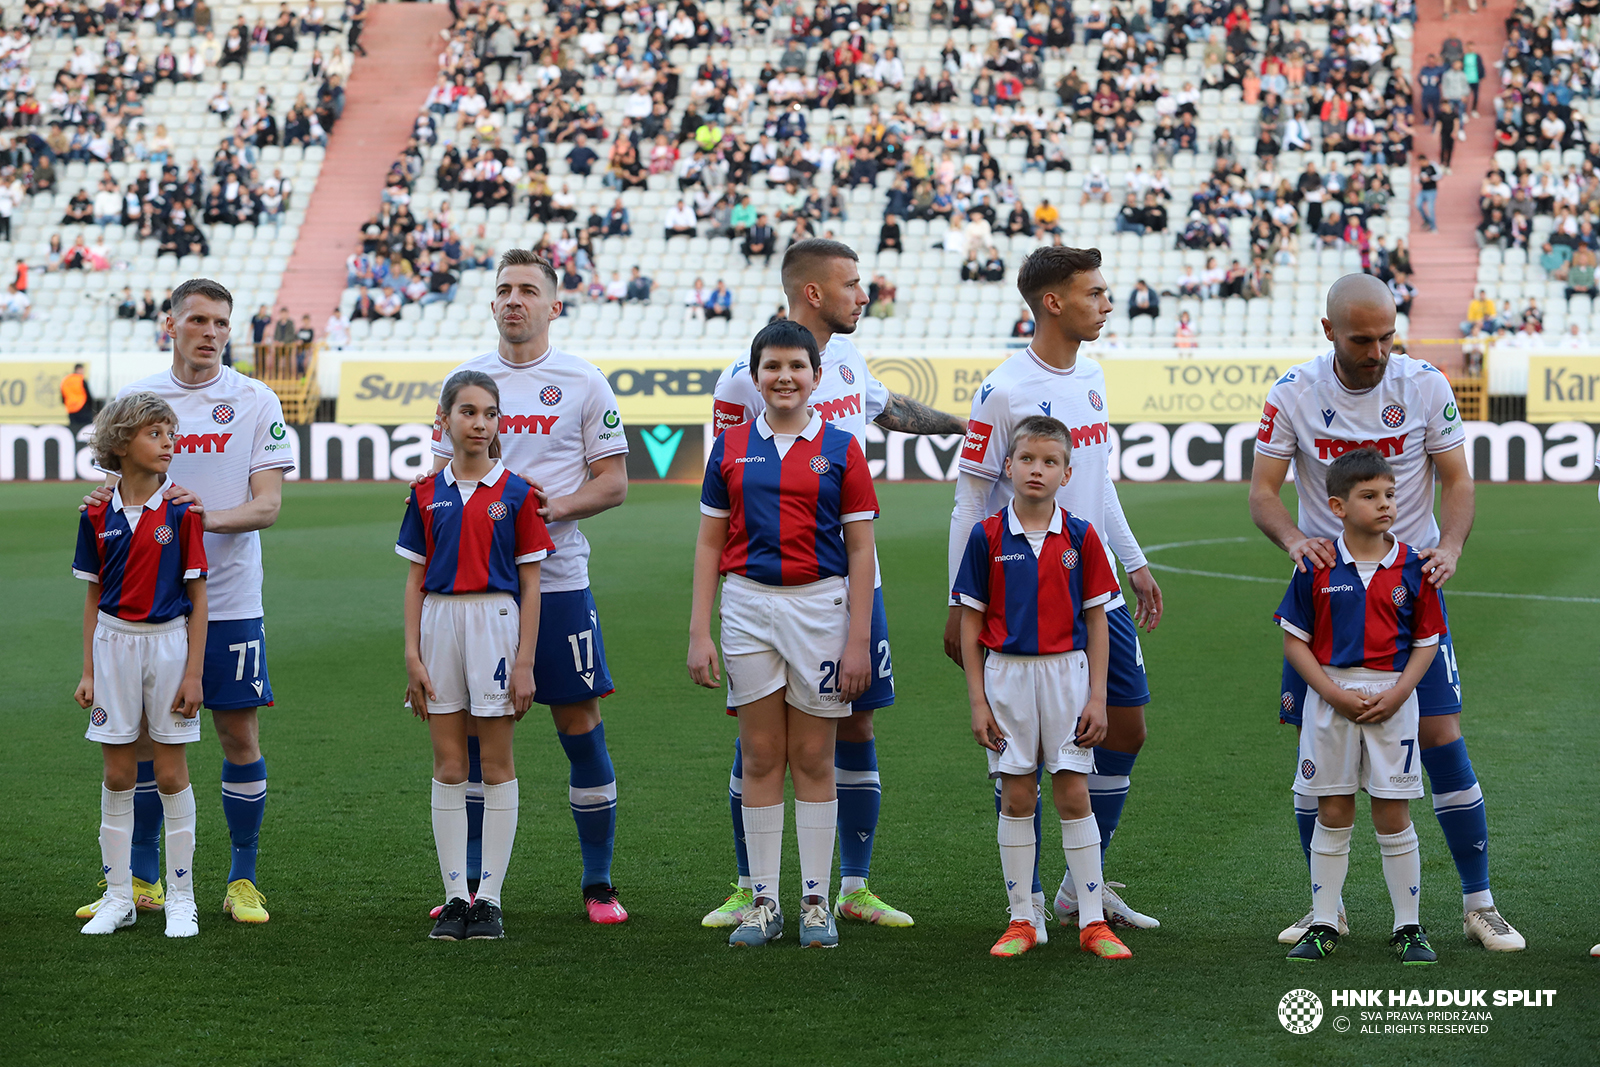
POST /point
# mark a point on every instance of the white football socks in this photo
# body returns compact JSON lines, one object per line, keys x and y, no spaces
{"x":1017,"y":850}
{"x":179,"y":811}
{"x":763,"y":843}
{"x":1080,"y":839}
{"x":1330,"y":863}
{"x":816,"y":826}
{"x":500,"y":802}
{"x":1402,"y":870}
{"x":116,"y":842}
{"x":450,"y":837}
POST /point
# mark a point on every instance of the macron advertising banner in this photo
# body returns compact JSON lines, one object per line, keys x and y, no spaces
{"x":1142,"y":451}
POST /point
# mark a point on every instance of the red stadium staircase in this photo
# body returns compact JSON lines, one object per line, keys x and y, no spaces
{"x":387,"y":86}
{"x":1445,"y":263}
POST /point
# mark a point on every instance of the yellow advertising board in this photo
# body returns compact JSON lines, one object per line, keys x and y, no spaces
{"x":1562,"y":388}
{"x":677,"y":391}
{"x":31,"y":393}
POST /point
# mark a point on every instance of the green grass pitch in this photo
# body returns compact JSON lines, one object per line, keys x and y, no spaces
{"x":343,"y":974}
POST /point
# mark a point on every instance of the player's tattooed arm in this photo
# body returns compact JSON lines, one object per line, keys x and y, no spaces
{"x":906,"y":415}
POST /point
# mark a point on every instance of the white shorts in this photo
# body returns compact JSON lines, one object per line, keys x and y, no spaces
{"x":1036,"y":701}
{"x":1338,"y":756}
{"x":468,"y":644}
{"x":138,"y":667}
{"x":785,"y":637}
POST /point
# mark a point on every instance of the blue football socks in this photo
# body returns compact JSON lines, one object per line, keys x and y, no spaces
{"x":474,"y":811}
{"x":1458,"y":805}
{"x":147,"y":818}
{"x":1305,"y":817}
{"x":244,"y":802}
{"x":1108,"y":790}
{"x":855,"y":766}
{"x":736,"y":808}
{"x":593,"y":794}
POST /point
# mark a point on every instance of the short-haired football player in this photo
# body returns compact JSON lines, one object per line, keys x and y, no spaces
{"x":1359,"y":395}
{"x":233,"y":454}
{"x":1071,"y":302}
{"x":144,"y":644}
{"x":786,"y":520}
{"x":822,"y":282}
{"x":1362,"y":633}
{"x":474,"y":538}
{"x":1033,"y":586}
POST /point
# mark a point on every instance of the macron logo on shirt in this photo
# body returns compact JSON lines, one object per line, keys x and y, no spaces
{"x":440,"y":504}
{"x":1337,"y":589}
{"x":751,"y":459}
{"x":1009,"y":557}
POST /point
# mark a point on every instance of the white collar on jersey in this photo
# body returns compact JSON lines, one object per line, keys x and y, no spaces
{"x":813,"y":427}
{"x":117,"y":502}
{"x":1016,"y":523}
{"x":1386,"y":561}
{"x":1045,"y":366}
{"x":504,"y":362}
{"x":201,"y":385}
{"x":488,"y":479}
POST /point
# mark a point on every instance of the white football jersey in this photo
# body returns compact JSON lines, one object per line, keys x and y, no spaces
{"x":558,"y":414}
{"x":1410,"y":416}
{"x":1025,"y":385}
{"x":228,"y":429}
{"x":847,"y":396}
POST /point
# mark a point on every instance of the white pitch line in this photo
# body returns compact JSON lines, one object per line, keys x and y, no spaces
{"x":1278,"y":581}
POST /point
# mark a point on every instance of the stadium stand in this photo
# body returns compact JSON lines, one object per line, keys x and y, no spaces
{"x":119,"y":123}
{"x":1538,"y":202}
{"x":983,"y":130}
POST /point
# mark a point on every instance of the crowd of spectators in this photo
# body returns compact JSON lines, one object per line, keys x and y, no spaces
{"x":92,"y":110}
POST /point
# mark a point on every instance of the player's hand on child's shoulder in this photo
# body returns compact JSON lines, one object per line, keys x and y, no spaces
{"x":1091,"y":725}
{"x":855,"y":674}
{"x":84,"y":694}
{"x":1313,"y":552}
{"x":984,"y":728}
{"x":702,"y":662}
{"x":187,"y":702}
{"x":1440,"y":564}
{"x":177,"y":494}
{"x":101,"y":494}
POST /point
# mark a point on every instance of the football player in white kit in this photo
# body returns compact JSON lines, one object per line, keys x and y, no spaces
{"x":232,"y":453}
{"x":1070,"y":302}
{"x":560,"y":429}
{"x":822,"y":281}
{"x":1359,"y":395}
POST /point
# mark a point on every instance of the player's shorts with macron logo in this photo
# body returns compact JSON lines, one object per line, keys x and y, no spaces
{"x":235,"y":671}
{"x":1126,"y":683}
{"x":1036,"y":702}
{"x":468,"y":644}
{"x":569,"y":660}
{"x":1338,"y":757}
{"x":880,"y":694}
{"x":138,"y":668}
{"x":788,"y":637}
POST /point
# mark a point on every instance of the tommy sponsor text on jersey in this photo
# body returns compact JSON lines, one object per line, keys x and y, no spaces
{"x":228,"y":429}
{"x":1410,"y":416}
{"x":558,"y":414}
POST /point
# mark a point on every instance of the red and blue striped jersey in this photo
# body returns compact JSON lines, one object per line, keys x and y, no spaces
{"x":141,"y":568}
{"x":1033,"y":602}
{"x":473,"y":545}
{"x":786,"y":512}
{"x":1374,"y":624}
